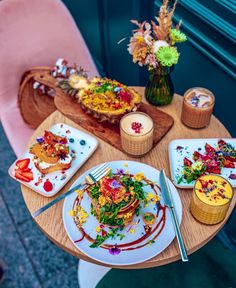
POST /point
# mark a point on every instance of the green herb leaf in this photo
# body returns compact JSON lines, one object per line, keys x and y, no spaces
{"x":94,"y":191}
{"x":99,"y":240}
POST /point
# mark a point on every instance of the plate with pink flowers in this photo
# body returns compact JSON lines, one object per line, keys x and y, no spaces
{"x":122,"y":219}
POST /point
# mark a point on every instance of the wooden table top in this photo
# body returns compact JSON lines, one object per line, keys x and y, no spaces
{"x":195,"y":234}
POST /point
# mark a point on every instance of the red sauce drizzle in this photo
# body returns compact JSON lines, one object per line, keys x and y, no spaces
{"x":149,"y":232}
{"x":82,"y":237}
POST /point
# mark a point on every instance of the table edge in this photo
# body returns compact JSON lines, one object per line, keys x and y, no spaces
{"x":149,"y":263}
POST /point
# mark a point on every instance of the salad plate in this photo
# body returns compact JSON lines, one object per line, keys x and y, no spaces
{"x":191,"y":158}
{"x":53,"y":159}
{"x":122,"y":219}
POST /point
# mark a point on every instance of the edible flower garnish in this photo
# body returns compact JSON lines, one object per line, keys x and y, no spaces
{"x":98,"y":229}
{"x":80,"y":215}
{"x":152,"y":198}
{"x":115,"y":184}
{"x":72,"y":213}
{"x":114,"y":250}
{"x":120,"y":171}
{"x":63,"y":156}
{"x":80,"y":193}
{"x":132,"y":231}
{"x":117,"y":89}
{"x":40,"y":139}
{"x":139,"y":176}
{"x":102,"y":200}
{"x":136,"y":126}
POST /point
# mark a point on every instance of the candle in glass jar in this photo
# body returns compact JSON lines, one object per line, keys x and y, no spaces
{"x":136,"y":131}
{"x":197,"y":108}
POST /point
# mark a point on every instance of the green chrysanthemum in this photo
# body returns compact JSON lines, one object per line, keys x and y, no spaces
{"x":167,"y":56}
{"x":177,"y":36}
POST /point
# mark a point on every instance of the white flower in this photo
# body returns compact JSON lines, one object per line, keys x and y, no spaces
{"x":158,"y":44}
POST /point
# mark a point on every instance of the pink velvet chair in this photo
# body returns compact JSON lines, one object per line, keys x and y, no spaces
{"x":33,"y":33}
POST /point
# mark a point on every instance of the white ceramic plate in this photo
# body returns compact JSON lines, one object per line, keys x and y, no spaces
{"x":125,"y":257}
{"x":180,"y":148}
{"x":59,"y":178}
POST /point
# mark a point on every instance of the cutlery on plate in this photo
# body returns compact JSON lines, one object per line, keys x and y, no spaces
{"x":165,"y":190}
{"x":93,"y":177}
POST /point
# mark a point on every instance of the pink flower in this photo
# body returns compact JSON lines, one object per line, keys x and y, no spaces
{"x":151,"y":61}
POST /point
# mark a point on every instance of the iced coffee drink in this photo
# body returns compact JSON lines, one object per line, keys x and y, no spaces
{"x":197,"y":108}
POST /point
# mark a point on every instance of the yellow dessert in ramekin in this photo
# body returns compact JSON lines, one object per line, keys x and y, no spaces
{"x":212,"y":195}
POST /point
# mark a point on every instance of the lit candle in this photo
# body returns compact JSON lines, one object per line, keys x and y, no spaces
{"x":136,"y":130}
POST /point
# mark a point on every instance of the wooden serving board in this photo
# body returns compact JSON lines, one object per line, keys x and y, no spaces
{"x":109,"y":132}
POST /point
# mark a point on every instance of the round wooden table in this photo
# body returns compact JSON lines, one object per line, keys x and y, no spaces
{"x":195,"y":234}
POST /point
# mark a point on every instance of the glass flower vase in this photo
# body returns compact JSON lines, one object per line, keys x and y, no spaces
{"x":160,"y":90}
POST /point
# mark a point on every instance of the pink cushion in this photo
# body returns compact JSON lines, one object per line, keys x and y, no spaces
{"x":34,"y":33}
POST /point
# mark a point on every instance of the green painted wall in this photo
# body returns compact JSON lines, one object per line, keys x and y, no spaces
{"x":207,"y":59}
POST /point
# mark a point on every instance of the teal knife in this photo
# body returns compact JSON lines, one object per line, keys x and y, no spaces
{"x":166,"y":194}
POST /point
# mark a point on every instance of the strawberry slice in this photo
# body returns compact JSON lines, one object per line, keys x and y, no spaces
{"x":228,"y":164}
{"x":209,"y":149}
{"x":197,"y":156}
{"x":187,"y":162}
{"x":21,"y":177}
{"x":213,"y":169}
{"x":207,"y":158}
{"x":23,"y":164}
{"x":230,"y":158}
{"x":28,"y":175}
{"x":221,"y":143}
{"x":26,"y":170}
